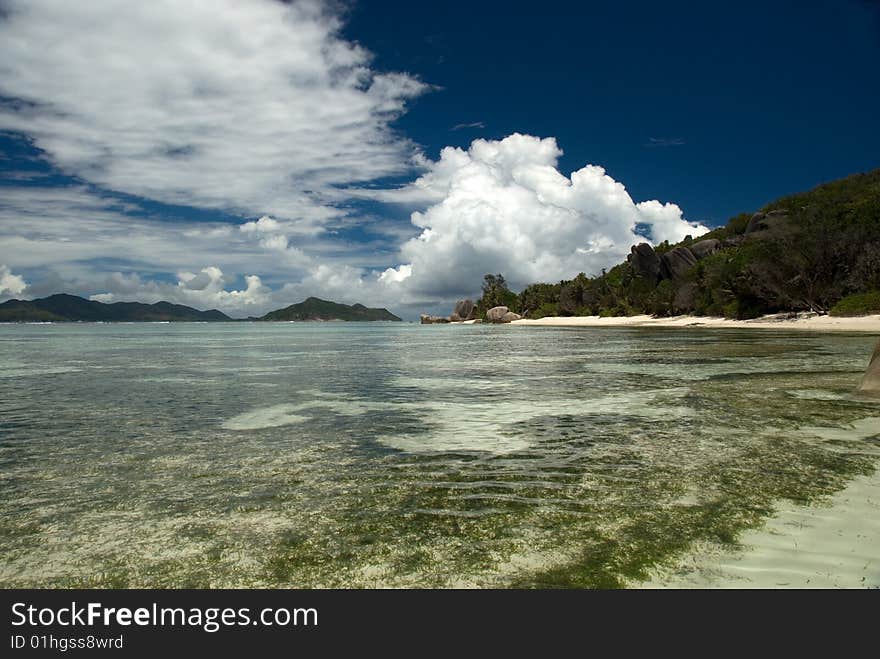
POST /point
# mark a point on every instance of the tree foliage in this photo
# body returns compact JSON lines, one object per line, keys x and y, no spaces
{"x":496,"y":294}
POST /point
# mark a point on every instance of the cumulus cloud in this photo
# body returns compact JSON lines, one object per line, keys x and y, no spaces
{"x":272,"y":234}
{"x":10,"y":284}
{"x":263,"y":109}
{"x":205,"y":289}
{"x":74,"y":240}
{"x":503,"y":206}
{"x":499,"y":206}
{"x":257,"y":107}
{"x":264,"y":225}
{"x":396,"y":275}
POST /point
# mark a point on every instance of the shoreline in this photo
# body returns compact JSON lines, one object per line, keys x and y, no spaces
{"x":784,"y":321}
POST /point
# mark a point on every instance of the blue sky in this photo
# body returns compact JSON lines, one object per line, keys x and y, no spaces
{"x":391,"y":153}
{"x":762,"y":98}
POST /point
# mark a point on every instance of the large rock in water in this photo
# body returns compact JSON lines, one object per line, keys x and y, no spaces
{"x":509,"y":317}
{"x":425,"y":319}
{"x":871,"y":381}
{"x":675,"y":263}
{"x":704,"y":248}
{"x":495,"y":314}
{"x":465,"y":309}
{"x":645,"y":262}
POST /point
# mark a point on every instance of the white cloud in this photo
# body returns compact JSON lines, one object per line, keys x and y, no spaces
{"x":264,"y":225}
{"x":503,"y":206}
{"x":203,"y":290}
{"x":666,"y":222}
{"x":71,"y":239}
{"x":257,"y":107}
{"x":398,"y":274}
{"x":273,"y":234}
{"x":276,"y":242}
{"x":263,"y":109}
{"x":10,"y":284}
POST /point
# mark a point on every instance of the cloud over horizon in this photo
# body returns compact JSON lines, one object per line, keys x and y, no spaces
{"x":10,"y":283}
{"x":505,"y":207}
{"x":205,"y":289}
{"x":501,"y":206}
{"x":262,"y":113}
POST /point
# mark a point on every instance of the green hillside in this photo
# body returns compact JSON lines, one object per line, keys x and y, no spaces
{"x":813,"y":251}
{"x":316,"y":309}
{"x":63,"y":307}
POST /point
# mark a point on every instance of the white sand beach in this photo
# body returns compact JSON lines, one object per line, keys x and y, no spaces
{"x":802,"y":321}
{"x":834,"y":544}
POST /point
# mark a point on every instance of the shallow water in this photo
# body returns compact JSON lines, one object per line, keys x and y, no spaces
{"x":364,"y":455}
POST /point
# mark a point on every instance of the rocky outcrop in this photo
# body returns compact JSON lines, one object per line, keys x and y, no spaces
{"x":755,"y":223}
{"x":685,"y":298}
{"x":496,"y":314}
{"x":704,"y":248}
{"x":675,"y":263}
{"x":465,"y":310}
{"x":871,"y":380}
{"x":501,"y":315}
{"x":645,"y":262}
{"x":764,"y":221}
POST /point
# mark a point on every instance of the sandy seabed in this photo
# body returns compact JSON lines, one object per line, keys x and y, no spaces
{"x":830,"y":545}
{"x":803,"y":321}
{"x":833,"y":544}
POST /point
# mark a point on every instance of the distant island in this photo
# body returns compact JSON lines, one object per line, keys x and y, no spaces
{"x":63,"y":307}
{"x":72,"y":308}
{"x":316,"y":309}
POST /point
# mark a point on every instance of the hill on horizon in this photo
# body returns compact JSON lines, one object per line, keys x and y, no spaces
{"x":63,"y":307}
{"x":316,"y":309}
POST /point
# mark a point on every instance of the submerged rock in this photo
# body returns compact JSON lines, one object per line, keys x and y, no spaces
{"x":496,"y":314}
{"x":871,"y":380}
